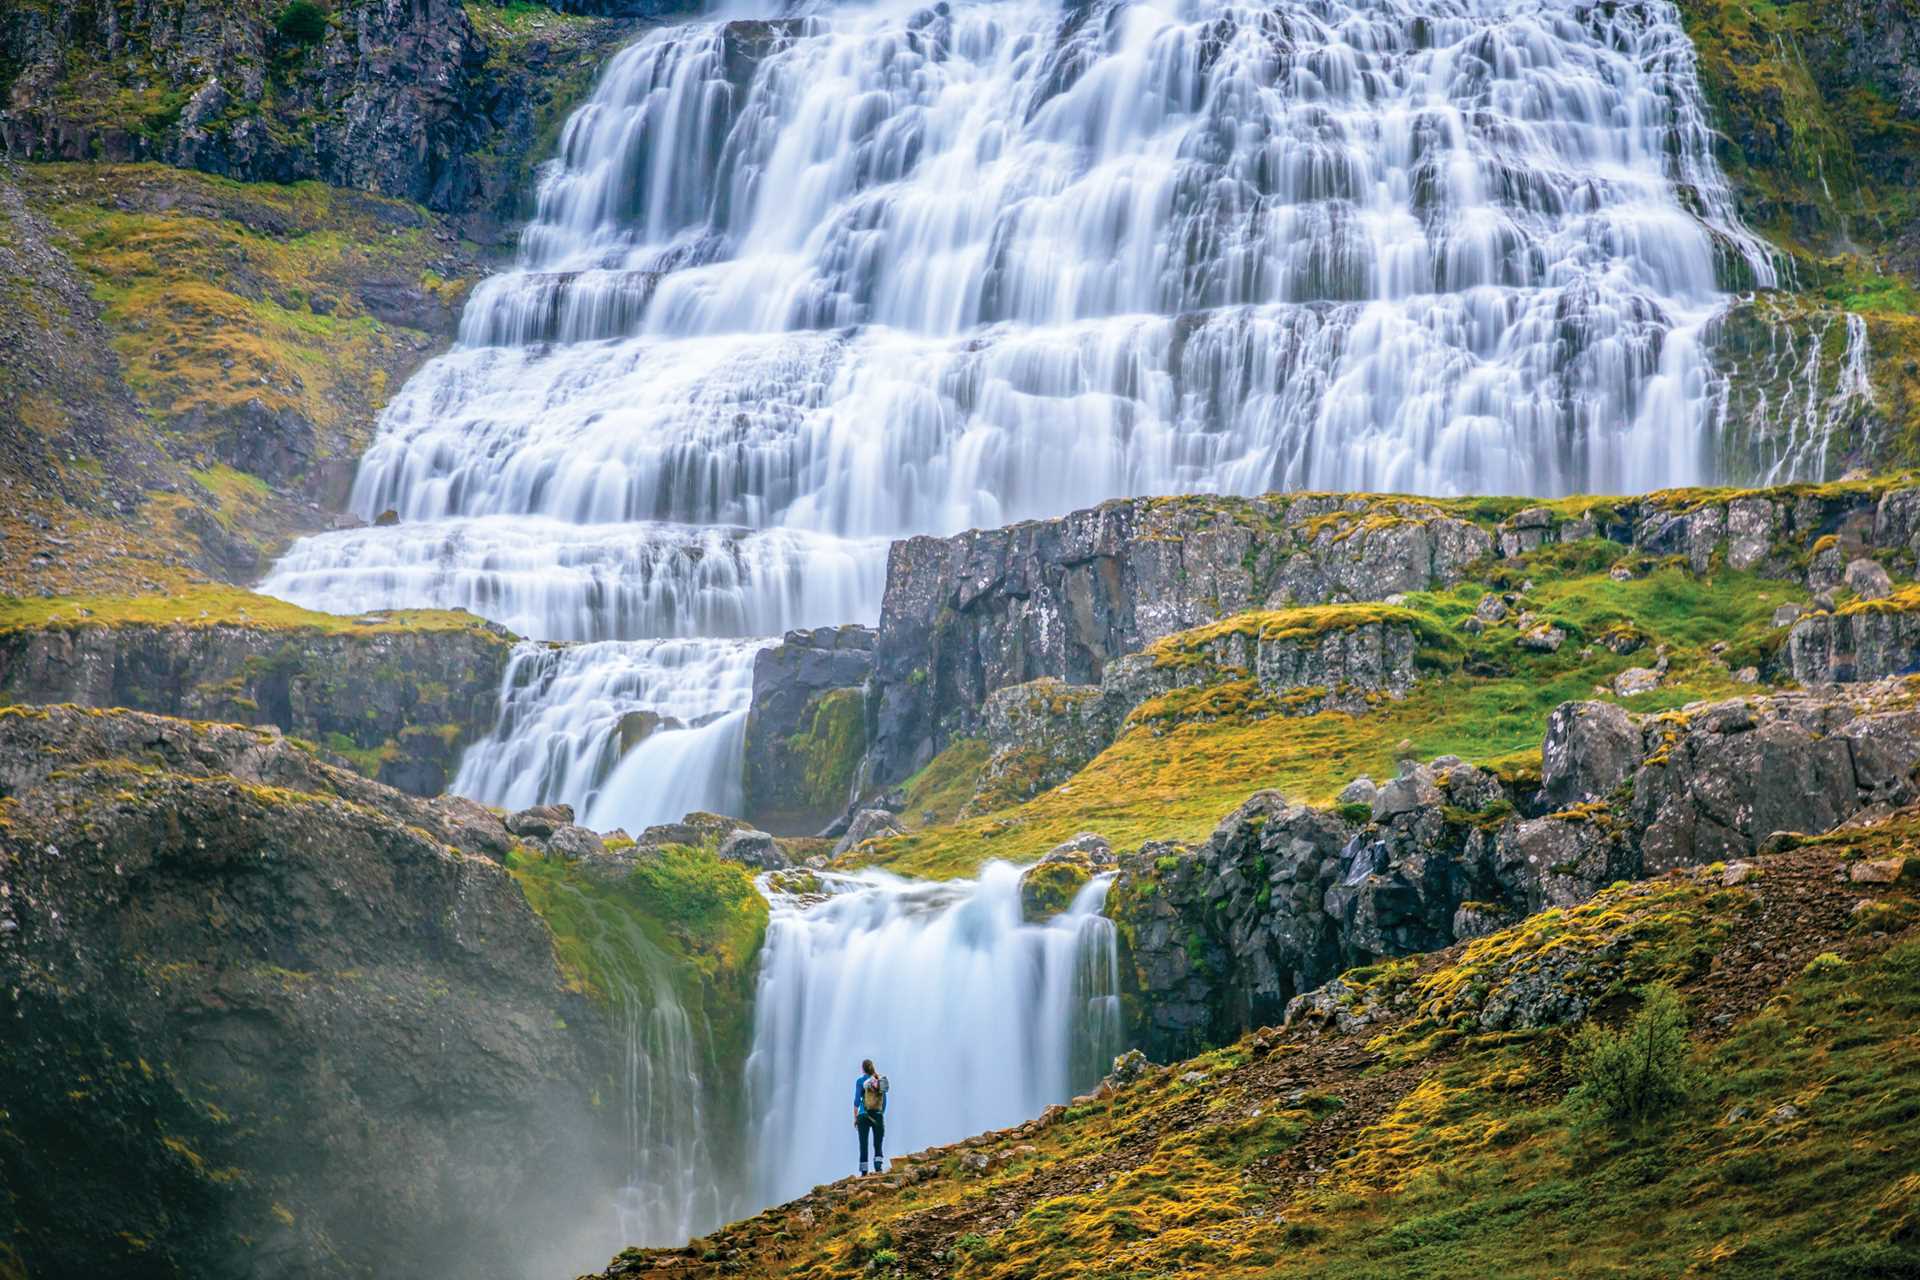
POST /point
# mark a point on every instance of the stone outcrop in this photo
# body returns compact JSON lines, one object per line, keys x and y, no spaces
{"x":1867,"y":640}
{"x":409,"y":100}
{"x":1280,"y":662}
{"x":1067,"y":599}
{"x":967,"y":615}
{"x":399,"y":703}
{"x":266,"y":1017}
{"x":1283,"y":897}
{"x":807,"y":727}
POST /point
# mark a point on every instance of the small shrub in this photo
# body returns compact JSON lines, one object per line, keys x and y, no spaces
{"x":1640,"y":1072}
{"x":301,"y":23}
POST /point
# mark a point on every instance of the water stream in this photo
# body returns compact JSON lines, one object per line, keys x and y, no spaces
{"x":979,"y":1020}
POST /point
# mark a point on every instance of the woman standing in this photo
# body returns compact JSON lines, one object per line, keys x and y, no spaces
{"x":870,"y":1113}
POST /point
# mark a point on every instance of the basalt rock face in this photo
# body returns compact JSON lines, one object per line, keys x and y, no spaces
{"x":400,"y":704}
{"x":1862,"y":642}
{"x":1282,"y":898}
{"x":267,"y":1018}
{"x":807,"y":727}
{"x":1067,"y":599}
{"x":967,"y":615}
{"x":406,"y":99}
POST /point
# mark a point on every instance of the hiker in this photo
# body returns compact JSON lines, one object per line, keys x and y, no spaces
{"x":870,"y":1114}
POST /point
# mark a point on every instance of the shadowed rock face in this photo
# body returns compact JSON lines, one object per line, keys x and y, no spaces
{"x":806,"y":729}
{"x":407,"y":100}
{"x":411,"y":700}
{"x":268,"y":1018}
{"x":1282,"y":897}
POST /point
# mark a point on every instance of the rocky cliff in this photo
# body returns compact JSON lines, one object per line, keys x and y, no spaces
{"x":807,"y":728}
{"x":967,"y":615}
{"x":399,"y":696}
{"x":435,"y":102}
{"x":268,"y":1018}
{"x":1065,"y":599}
{"x":1284,"y":896}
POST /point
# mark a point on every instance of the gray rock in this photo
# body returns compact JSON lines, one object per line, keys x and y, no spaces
{"x":1787,"y":614}
{"x":1543,"y":637}
{"x":1590,"y":749}
{"x":1360,"y":791}
{"x":540,"y":821}
{"x":868,"y":824}
{"x":1636,"y":680}
{"x":754,"y":849}
{"x":572,"y":843}
{"x":1490,"y":609}
{"x":1087,"y":846}
{"x":1868,"y":580}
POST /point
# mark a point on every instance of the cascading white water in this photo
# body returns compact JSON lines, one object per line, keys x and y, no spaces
{"x":673,"y":1189}
{"x":979,"y":1020}
{"x":876,"y":269}
{"x":871,"y":269}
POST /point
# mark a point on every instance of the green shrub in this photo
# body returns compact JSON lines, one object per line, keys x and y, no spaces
{"x":1640,"y":1072}
{"x":301,"y":22}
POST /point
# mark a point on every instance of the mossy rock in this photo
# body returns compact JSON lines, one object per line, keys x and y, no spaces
{"x":1050,"y":888}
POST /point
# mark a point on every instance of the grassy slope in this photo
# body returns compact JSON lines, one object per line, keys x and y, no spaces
{"x":211,"y":605}
{"x":1424,"y":1146}
{"x":1191,"y":757}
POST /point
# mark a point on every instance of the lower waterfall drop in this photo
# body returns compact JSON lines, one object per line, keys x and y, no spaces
{"x":980,"y":1019}
{"x":674,"y":1188}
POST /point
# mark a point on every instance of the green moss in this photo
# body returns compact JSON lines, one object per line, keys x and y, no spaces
{"x":828,"y":752}
{"x":209,"y":606}
{"x":683,"y":917}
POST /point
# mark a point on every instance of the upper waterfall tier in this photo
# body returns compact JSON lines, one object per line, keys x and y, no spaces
{"x":885,"y":269}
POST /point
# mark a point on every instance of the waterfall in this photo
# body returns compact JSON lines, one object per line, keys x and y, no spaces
{"x":673,"y":1189}
{"x":979,"y":1020}
{"x":801,"y":284}
{"x":797,"y":285}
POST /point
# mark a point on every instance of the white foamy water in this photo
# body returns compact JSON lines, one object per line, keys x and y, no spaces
{"x":979,"y":1020}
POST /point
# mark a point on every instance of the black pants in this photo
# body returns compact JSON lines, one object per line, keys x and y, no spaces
{"x":877,"y":1126}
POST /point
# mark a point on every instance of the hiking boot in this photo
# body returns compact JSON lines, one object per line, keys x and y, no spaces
{"x":879,"y":1166}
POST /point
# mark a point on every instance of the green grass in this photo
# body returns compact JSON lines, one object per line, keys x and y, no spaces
{"x":1483,"y":699}
{"x":1484,"y":1162}
{"x":213,"y":605}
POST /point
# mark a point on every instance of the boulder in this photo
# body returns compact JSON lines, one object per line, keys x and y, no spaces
{"x":1589,"y":750}
{"x":1868,"y":580}
{"x":540,"y":821}
{"x":868,"y":824}
{"x":754,"y":849}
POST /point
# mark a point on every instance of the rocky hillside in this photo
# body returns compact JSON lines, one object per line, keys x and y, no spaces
{"x":1428,"y":1118}
{"x":397,"y":695}
{"x":228,"y":232}
{"x":267,"y":1017}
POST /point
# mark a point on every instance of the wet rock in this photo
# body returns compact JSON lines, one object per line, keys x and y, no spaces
{"x":1049,"y":887}
{"x":1087,"y":846}
{"x":806,"y":730}
{"x":359,"y":988}
{"x":540,"y":821}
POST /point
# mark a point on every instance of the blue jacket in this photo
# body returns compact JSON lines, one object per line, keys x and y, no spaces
{"x":860,"y":1099}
